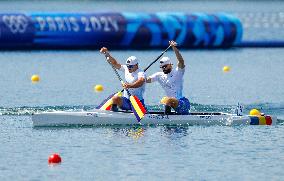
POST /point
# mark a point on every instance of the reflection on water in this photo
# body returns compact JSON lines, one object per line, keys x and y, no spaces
{"x":175,"y":131}
{"x":137,"y":132}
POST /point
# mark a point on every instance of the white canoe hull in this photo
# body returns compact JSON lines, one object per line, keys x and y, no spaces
{"x":101,"y":118}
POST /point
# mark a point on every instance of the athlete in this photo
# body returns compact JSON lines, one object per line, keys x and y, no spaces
{"x":135,"y":80}
{"x":171,"y":81}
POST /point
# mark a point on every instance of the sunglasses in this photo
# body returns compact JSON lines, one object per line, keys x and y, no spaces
{"x":130,"y":66}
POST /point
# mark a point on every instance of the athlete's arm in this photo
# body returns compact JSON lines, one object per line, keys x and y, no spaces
{"x":110,"y":59}
{"x":138,"y":83}
{"x":178,"y":55}
{"x":152,"y":78}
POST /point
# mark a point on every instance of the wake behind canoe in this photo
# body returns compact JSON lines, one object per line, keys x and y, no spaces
{"x":102,"y":118}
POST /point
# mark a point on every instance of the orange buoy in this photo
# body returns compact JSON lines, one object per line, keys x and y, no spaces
{"x":54,"y":159}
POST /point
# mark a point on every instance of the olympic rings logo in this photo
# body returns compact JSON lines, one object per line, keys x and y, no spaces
{"x":16,"y":23}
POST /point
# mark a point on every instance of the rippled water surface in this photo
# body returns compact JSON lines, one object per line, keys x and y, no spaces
{"x":138,"y":153}
{"x":183,"y":153}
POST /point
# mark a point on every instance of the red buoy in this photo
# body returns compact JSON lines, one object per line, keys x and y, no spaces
{"x":268,"y":120}
{"x":54,"y":158}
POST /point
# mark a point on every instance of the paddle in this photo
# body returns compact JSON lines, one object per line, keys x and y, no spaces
{"x":136,"y":106}
{"x":157,"y":58}
{"x":106,"y":104}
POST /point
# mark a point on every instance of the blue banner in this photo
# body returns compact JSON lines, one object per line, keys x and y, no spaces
{"x":118,"y":30}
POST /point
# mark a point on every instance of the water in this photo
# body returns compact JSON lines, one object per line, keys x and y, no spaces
{"x":191,"y":153}
{"x":136,"y":153}
{"x":67,"y":78}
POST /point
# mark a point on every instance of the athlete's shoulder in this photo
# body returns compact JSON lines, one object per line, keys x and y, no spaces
{"x":178,"y":69}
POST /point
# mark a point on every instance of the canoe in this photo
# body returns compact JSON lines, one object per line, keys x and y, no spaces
{"x":98,"y":117}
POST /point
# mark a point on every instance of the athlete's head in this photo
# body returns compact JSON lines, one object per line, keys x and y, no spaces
{"x":132,"y":63}
{"x":166,"y":65}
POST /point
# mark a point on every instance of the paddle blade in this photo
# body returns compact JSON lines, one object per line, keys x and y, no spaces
{"x":106,"y":104}
{"x":137,"y":108}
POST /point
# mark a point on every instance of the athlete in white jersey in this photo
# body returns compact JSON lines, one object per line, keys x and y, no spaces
{"x":171,"y":81}
{"x":134,"y":80}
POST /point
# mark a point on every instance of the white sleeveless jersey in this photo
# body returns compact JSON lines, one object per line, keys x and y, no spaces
{"x":172,"y":83}
{"x":131,"y":78}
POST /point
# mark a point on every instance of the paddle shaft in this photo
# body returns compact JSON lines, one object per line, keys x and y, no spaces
{"x":157,"y":59}
{"x":118,"y":76}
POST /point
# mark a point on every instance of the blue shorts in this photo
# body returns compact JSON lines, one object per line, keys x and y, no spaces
{"x":126,"y":104}
{"x":183,"y":106}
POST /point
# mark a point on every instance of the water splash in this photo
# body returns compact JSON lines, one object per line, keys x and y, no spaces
{"x":25,"y":110}
{"x":267,"y":108}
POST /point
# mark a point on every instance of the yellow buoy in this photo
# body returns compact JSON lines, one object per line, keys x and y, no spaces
{"x":98,"y":88}
{"x":254,"y":112}
{"x":35,"y":78}
{"x":226,"y":69}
